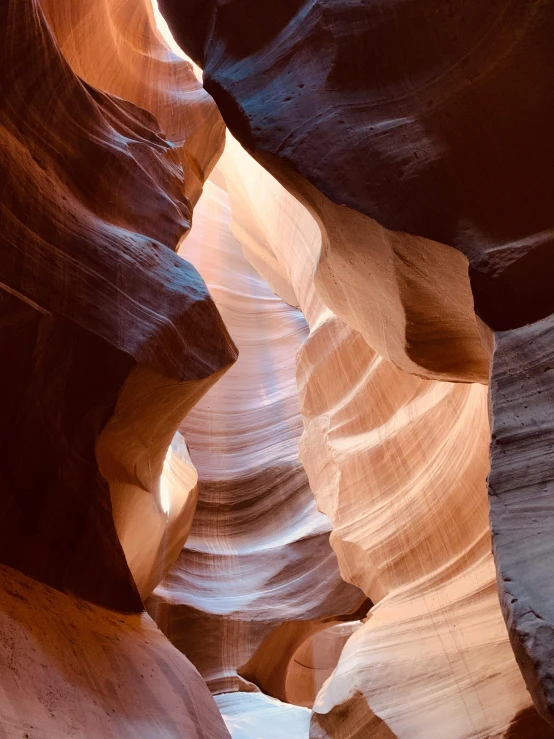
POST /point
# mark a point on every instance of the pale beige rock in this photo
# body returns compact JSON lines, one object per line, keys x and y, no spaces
{"x":153,"y":503}
{"x":431,"y":119}
{"x":399,"y":464}
{"x":296,"y":658}
{"x":258,"y":554}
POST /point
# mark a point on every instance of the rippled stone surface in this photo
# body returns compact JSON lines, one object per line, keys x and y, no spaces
{"x":99,"y":318}
{"x":399,"y":464}
{"x":408,"y":128}
{"x":258,"y":556}
{"x":420,"y":163}
{"x":116,"y":46}
{"x":408,"y":146}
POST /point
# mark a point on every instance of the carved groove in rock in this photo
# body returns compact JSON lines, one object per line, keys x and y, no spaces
{"x":399,"y":464}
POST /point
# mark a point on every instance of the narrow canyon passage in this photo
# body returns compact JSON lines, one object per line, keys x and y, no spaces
{"x":399,"y":463}
{"x":276,"y":439}
{"x":258,"y":556}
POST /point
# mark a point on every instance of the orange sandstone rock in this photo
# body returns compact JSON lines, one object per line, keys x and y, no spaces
{"x":73,"y":669}
{"x":104,"y":329}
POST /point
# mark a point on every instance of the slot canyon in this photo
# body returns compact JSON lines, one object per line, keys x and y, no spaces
{"x":275,"y":306}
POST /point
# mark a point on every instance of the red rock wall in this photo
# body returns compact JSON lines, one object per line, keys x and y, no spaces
{"x":95,"y":307}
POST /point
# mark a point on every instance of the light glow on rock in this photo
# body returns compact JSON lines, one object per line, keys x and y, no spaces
{"x":167,"y":36}
{"x":166,"y":487}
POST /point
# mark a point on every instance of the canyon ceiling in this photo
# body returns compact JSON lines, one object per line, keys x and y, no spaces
{"x":277,"y":360}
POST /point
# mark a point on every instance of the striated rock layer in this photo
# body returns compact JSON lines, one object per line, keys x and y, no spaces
{"x":426,"y":197}
{"x":107,"y":337}
{"x":286,"y":90}
{"x":257,"y":577}
{"x":116,"y":47}
{"x":399,"y":464}
{"x":421,"y":155}
{"x":72,"y":669}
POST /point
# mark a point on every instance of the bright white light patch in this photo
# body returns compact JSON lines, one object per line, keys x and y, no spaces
{"x":166,"y":486}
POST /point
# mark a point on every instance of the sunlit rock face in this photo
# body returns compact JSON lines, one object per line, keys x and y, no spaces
{"x":107,"y":336}
{"x":419,"y":136}
{"x":338,"y":580}
{"x":117,"y":47}
{"x":257,"y":578}
{"x":73,"y":669}
{"x":399,"y":464}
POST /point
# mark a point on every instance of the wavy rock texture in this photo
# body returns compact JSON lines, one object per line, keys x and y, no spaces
{"x":407,"y":129}
{"x":116,"y":47}
{"x":100,"y":319}
{"x":72,"y":669}
{"x":434,"y":652}
{"x":425,"y":160}
{"x":401,"y":145}
{"x":257,"y":577}
{"x":291,"y":86}
{"x":399,"y":464}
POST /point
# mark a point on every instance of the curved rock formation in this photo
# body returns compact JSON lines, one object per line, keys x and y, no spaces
{"x":399,"y":464}
{"x":407,"y":147}
{"x":289,"y":101}
{"x":116,"y":47}
{"x":414,"y":143}
{"x":72,"y":669}
{"x":257,"y":577}
{"x":409,"y":129}
{"x":105,"y":331}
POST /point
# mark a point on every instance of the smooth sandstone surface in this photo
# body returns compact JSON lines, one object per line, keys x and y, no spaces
{"x":98,"y":314}
{"x":258,"y":555}
{"x":399,"y":464}
{"x":289,"y":98}
{"x":419,"y":165}
{"x":71,"y":669}
{"x":406,"y":146}
{"x":117,"y":47}
{"x":409,"y":129}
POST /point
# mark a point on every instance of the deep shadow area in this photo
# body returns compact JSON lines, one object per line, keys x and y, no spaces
{"x":529,"y":725}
